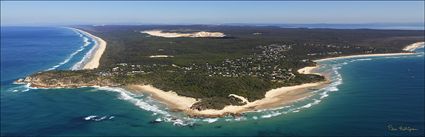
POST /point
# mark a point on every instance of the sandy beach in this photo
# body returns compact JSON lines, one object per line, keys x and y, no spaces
{"x":308,"y":70}
{"x":273,"y":98}
{"x":170,"y":98}
{"x":99,"y":48}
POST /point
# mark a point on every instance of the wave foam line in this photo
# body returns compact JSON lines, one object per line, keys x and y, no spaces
{"x":336,"y":80}
{"x":128,"y":96}
{"x":21,"y":88}
{"x":66,"y":59}
{"x":148,"y":104}
{"x":86,"y":43}
{"x":87,"y":56}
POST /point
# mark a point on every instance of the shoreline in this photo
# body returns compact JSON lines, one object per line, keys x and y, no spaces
{"x":362,"y":55}
{"x":409,"y":48}
{"x":273,"y":98}
{"x":99,"y":48}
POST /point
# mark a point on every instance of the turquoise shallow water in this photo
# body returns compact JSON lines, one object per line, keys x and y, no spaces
{"x":367,"y":96}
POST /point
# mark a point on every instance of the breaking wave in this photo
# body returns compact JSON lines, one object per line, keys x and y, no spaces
{"x":67,"y":59}
{"x":20,"y":88}
{"x":158,"y":110}
{"x":308,"y":102}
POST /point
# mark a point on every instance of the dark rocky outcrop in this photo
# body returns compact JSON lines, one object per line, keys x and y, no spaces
{"x":66,"y":79}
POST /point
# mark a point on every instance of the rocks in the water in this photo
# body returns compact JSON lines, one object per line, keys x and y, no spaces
{"x":218,"y":126}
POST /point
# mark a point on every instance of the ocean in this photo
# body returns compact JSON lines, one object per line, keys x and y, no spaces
{"x":368,"y":96}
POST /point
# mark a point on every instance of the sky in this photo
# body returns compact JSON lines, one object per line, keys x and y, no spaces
{"x":208,"y":12}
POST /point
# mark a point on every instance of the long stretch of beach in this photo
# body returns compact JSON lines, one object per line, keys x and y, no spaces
{"x":99,"y":48}
{"x":363,"y":55}
{"x":409,"y":48}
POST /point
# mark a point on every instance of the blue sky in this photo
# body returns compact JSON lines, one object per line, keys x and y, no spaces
{"x":204,"y":12}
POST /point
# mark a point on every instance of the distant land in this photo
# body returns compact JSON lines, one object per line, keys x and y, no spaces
{"x":383,"y":26}
{"x":379,"y":26}
{"x":219,"y":70}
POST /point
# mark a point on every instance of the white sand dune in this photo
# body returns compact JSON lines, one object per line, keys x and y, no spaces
{"x":160,"y":33}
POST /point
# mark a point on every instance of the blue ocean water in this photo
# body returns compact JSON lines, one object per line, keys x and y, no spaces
{"x":25,"y":50}
{"x":367,"y":97}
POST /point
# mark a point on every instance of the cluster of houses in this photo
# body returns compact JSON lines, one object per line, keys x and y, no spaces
{"x":266,"y":64}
